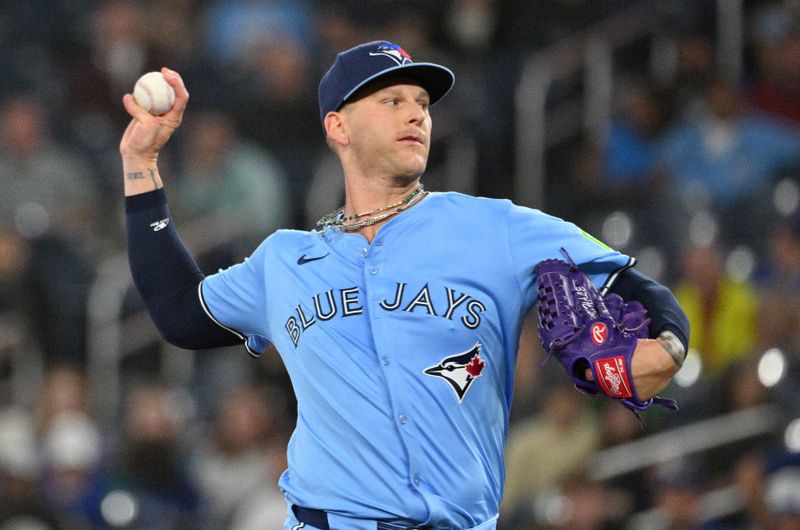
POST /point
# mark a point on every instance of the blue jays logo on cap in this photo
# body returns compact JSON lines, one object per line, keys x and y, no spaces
{"x":460,"y":370}
{"x":359,"y":67}
{"x":393,"y":52}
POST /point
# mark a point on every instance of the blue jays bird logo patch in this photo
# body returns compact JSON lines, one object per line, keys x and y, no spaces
{"x":393,"y":52}
{"x":460,"y":370}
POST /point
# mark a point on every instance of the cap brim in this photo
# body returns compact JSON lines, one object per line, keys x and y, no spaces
{"x":437,"y":80}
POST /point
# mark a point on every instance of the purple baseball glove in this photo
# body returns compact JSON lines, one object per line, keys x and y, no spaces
{"x":584,"y":331}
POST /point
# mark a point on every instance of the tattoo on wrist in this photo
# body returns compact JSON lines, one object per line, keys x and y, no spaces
{"x":673,"y":346}
{"x":139,"y":175}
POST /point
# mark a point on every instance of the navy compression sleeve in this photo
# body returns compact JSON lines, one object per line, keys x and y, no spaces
{"x":663,"y":309}
{"x":167,"y":277}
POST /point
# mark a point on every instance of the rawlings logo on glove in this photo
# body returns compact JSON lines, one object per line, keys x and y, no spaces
{"x":586,"y":331}
{"x":613,"y":377}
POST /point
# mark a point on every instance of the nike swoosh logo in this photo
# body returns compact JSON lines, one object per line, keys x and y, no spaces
{"x":302,"y":260}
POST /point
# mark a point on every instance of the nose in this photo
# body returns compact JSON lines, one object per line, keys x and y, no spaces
{"x":416,"y":115}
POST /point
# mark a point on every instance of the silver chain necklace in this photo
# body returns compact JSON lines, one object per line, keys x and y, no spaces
{"x":337,"y":219}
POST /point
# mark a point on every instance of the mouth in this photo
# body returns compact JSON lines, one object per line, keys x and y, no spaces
{"x":412,"y":139}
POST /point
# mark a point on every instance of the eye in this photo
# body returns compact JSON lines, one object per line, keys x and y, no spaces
{"x":424,"y":105}
{"x":392,"y":102}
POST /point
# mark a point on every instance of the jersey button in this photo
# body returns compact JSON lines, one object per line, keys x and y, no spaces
{"x":417,"y":481}
{"x":385,"y":360}
{"x":364,"y":252}
{"x":373,"y":270}
{"x":403,"y":420}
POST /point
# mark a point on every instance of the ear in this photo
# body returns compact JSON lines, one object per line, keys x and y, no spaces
{"x":336,"y":128}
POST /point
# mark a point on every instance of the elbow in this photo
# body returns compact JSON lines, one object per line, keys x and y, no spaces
{"x":195,"y":333}
{"x":178,"y":337}
{"x":182,"y":322}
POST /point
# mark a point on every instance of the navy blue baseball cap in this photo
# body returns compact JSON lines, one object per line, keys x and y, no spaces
{"x":362,"y":65}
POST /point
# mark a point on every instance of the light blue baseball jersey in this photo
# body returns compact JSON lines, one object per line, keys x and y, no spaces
{"x":401,"y":351}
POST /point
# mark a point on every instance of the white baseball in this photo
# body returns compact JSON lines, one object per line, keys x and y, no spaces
{"x":153,"y":93}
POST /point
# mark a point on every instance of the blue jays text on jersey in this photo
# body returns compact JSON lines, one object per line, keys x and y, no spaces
{"x":347,"y":302}
{"x":401,"y":351}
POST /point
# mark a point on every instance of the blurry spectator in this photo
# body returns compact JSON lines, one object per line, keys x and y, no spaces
{"x":150,"y":466}
{"x":171,"y":31}
{"x":71,"y":456}
{"x":623,"y":173}
{"x":524,"y":25}
{"x":70,"y":445}
{"x":591,"y":505}
{"x":677,"y":489}
{"x":117,"y":53}
{"x":749,"y":477}
{"x":471,"y":24}
{"x":779,"y":334}
{"x":536,"y":457}
{"x":266,"y":50}
{"x":782,"y":497}
{"x":47,"y":201}
{"x":725,"y":160}
{"x":237,"y":29}
{"x":339,"y":26}
{"x":778,"y":322}
{"x":64,"y":392}
{"x":576,"y":503}
{"x":779,"y":269}
{"x":738,"y":389}
{"x":46,"y":189}
{"x":277,"y":108}
{"x":721,"y":310}
{"x":21,"y":505}
{"x":619,"y":426}
{"x":630,"y":149}
{"x":776,"y":40}
{"x":747,"y":391}
{"x":778,"y":280}
{"x":234,"y":185}
{"x":694,"y":70}
{"x":232,"y":466}
{"x":30,"y":32}
{"x":57,"y":284}
{"x":266,"y":508}
{"x":13,"y":264}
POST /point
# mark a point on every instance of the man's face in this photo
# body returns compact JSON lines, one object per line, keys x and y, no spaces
{"x":389,"y":129}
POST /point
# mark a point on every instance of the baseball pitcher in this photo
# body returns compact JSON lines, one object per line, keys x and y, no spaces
{"x":398,"y":317}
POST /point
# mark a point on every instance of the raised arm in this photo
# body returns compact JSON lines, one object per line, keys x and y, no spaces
{"x":166,"y":276}
{"x":146,"y":135}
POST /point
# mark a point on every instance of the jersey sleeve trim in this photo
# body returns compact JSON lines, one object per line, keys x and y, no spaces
{"x":210,"y":315}
{"x":615,"y":274}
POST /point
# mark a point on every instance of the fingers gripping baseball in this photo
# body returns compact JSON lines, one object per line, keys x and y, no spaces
{"x":147,"y":134}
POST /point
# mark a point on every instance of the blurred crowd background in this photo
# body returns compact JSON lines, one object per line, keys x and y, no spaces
{"x":683,"y":152}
